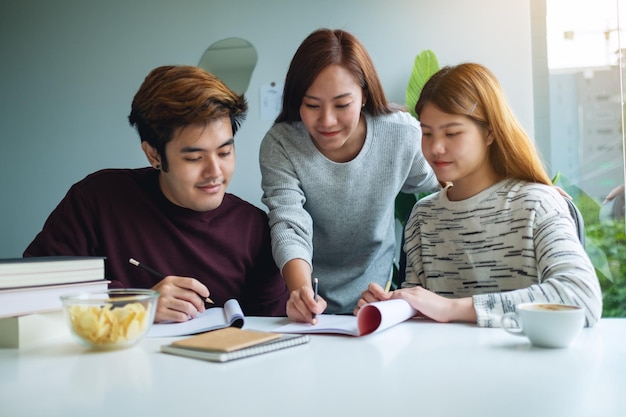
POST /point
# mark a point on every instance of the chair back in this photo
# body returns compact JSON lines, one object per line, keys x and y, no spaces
{"x":578,"y":220}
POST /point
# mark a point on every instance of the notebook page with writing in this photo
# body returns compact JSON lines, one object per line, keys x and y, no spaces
{"x":214,"y":318}
{"x":372,"y":318}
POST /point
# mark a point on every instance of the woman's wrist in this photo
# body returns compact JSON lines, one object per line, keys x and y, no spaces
{"x":297,"y":274}
{"x":463,"y":310}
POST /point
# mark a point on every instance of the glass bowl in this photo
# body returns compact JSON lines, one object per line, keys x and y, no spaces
{"x":111,"y":319}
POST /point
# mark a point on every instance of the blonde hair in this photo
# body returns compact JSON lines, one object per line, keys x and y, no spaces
{"x":472,"y":90}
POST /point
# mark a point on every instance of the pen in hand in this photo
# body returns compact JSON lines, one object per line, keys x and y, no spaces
{"x":390,"y":279}
{"x":315,"y":287}
{"x":207,"y":300}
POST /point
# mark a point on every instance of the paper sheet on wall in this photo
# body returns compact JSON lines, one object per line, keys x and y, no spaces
{"x":271,"y":100}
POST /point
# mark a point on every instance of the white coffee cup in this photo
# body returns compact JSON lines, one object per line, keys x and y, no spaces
{"x":545,"y":324}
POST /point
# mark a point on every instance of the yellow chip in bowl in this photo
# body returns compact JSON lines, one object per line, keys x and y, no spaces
{"x":110,"y":322}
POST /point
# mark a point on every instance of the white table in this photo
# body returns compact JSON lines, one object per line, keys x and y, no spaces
{"x":417,"y":368}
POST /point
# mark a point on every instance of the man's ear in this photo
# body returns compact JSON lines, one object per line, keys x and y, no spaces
{"x":153,"y":156}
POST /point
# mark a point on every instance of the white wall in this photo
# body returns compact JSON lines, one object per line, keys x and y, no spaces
{"x":71,"y":67}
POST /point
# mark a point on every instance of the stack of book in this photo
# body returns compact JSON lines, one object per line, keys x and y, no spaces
{"x":35,"y":285}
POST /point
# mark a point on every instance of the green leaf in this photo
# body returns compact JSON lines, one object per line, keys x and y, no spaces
{"x":404,"y":205}
{"x":424,"y":66}
{"x":598,"y":259}
{"x":589,"y":208}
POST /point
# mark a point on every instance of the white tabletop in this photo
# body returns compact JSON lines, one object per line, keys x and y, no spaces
{"x":417,"y":368}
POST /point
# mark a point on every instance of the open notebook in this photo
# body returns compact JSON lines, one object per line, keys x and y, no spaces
{"x":372,"y":318}
{"x":213,"y":318}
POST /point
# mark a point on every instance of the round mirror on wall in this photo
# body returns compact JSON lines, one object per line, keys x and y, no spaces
{"x":232,"y":60}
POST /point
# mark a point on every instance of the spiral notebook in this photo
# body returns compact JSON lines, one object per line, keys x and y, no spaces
{"x":232,"y":343}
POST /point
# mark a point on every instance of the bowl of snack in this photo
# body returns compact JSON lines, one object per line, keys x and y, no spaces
{"x":112,"y":319}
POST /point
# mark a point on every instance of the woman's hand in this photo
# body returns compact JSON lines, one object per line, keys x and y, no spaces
{"x":436,"y":307}
{"x":180,"y":299}
{"x":614,"y":193}
{"x":302,"y":307}
{"x":373,"y":293}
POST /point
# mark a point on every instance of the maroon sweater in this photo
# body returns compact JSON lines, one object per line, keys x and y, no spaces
{"x":122,"y":214}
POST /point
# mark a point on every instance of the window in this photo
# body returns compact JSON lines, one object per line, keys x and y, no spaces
{"x":578,"y":49}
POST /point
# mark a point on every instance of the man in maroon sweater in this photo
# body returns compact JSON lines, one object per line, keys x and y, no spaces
{"x":176,"y":216}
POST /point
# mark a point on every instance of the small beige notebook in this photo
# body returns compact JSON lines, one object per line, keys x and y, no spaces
{"x":232,"y":343}
{"x":226,"y":340}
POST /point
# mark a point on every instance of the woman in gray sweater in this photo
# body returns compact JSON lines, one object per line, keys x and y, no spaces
{"x":332,"y":165}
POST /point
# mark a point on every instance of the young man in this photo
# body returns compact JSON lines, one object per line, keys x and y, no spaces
{"x":176,"y":216}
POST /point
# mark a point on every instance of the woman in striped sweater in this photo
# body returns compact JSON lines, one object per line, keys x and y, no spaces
{"x":499,"y":233}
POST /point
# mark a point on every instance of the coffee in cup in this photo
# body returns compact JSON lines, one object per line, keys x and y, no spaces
{"x":545,"y":324}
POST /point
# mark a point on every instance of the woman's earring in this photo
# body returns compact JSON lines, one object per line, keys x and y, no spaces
{"x":157,"y":166}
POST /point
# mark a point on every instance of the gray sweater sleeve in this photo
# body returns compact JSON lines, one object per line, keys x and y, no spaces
{"x":291,"y":225}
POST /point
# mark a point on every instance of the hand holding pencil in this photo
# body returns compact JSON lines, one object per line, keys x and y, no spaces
{"x":375,"y":292}
{"x":305,"y":303}
{"x":181,"y":298}
{"x":372,"y":294}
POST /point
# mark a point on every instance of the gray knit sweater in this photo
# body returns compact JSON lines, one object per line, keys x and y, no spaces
{"x":514,"y":242}
{"x":339,"y":217}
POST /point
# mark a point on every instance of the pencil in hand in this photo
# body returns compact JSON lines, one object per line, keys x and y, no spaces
{"x":207,"y":301}
{"x":315,"y":288}
{"x":390,"y":279}
{"x":140,"y":265}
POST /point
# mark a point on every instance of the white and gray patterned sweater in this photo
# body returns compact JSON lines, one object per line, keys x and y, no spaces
{"x":513,"y":242}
